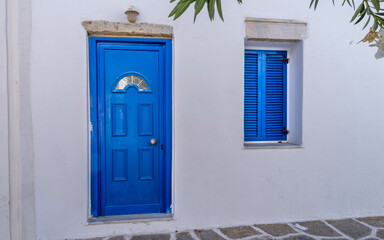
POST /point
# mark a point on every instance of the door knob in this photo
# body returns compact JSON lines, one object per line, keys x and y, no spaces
{"x":153,"y":141}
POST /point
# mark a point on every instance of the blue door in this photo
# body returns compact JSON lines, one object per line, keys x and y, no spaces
{"x":132,"y":127}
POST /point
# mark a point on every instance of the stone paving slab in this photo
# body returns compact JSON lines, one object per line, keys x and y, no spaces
{"x":335,"y":239}
{"x":97,"y":238}
{"x":351,"y":228}
{"x":276,"y":230}
{"x":183,"y":236}
{"x":208,"y":235}
{"x":318,"y":228}
{"x":380,"y":233}
{"x":299,"y":237}
{"x":261,"y":238}
{"x":369,"y":228}
{"x":239,"y":232}
{"x":373,"y":221}
{"x":117,"y":238}
{"x":152,"y":237}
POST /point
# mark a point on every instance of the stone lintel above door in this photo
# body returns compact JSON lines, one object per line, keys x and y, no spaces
{"x":105,"y":28}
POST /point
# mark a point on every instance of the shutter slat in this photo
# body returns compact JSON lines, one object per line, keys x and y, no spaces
{"x":251,"y":101}
{"x":274,"y":97}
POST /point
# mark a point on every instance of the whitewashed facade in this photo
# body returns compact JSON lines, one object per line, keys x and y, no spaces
{"x":334,"y":172}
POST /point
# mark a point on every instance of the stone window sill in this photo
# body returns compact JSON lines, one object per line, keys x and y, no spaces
{"x":273,"y":145}
{"x":131,"y":218}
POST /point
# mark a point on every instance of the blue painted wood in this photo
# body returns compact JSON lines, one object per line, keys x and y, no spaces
{"x":119,"y":119}
{"x":95,"y":169}
{"x":145,"y":124}
{"x":148,"y":185}
{"x":120,"y":164}
{"x":146,"y":163}
{"x":274,"y":96}
{"x":166,"y":112}
{"x":252,"y":93}
{"x":265,"y":95}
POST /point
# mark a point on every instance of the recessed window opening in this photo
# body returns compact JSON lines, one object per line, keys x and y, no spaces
{"x":265,"y":96}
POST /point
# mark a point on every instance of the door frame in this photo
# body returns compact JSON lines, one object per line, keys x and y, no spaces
{"x":166,"y":98}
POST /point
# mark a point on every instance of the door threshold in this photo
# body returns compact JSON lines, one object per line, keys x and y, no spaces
{"x":131,"y":218}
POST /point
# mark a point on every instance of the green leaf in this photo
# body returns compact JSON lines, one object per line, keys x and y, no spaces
{"x":369,"y":19}
{"x":375,"y":25}
{"x":174,"y":10}
{"x":310,"y":5}
{"x":183,"y":6}
{"x":316,"y":2}
{"x":219,"y":9}
{"x":380,"y":18}
{"x":351,"y":3}
{"x":362,"y":15}
{"x":369,"y":11}
{"x":359,"y":10}
{"x":347,"y":1}
{"x":178,"y":6}
{"x":199,"y":4}
{"x":376,"y":4}
{"x":380,"y":21}
{"x":211,"y":9}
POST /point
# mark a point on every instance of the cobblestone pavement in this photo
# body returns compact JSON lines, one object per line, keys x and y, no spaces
{"x":369,"y":228}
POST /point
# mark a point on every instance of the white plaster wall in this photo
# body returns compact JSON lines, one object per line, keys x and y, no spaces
{"x":19,"y":155}
{"x":337,"y":174}
{"x":4,"y":165}
{"x":26,"y":122}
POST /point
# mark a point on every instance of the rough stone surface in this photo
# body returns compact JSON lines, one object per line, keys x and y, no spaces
{"x":310,"y":230}
{"x":97,"y":238}
{"x":263,"y":238}
{"x":351,"y":228}
{"x":318,"y":228}
{"x":117,"y":238}
{"x":276,"y":230}
{"x":152,"y":237}
{"x":127,"y":29}
{"x":183,"y":236}
{"x":299,"y":237}
{"x":335,"y":239}
{"x":373,"y":221}
{"x":280,"y":30}
{"x":208,"y":235}
{"x":239,"y":232}
{"x":380,"y":233}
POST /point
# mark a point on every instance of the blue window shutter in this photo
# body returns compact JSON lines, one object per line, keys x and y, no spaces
{"x":274,"y":96}
{"x":252,"y":101}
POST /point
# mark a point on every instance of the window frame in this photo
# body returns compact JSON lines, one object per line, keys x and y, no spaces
{"x":261,"y":91}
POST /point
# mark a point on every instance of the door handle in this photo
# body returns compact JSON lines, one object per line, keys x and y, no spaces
{"x":153,"y":141}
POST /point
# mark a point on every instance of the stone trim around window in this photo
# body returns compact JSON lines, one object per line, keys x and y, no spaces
{"x":274,"y":30}
{"x":105,"y":28}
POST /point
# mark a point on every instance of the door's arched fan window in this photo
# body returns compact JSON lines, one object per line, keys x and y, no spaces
{"x":132,"y":81}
